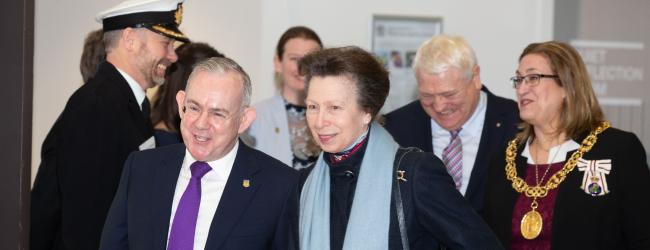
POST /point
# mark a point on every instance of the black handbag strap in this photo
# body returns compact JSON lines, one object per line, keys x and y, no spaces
{"x":399,"y":206}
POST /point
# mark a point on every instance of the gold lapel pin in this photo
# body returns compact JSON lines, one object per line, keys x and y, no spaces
{"x":246,"y":183}
{"x":401,"y":175}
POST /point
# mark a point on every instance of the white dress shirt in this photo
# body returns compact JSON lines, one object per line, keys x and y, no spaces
{"x":470,"y":137}
{"x":212,"y":185}
{"x":555,"y":154}
{"x":138,"y":92}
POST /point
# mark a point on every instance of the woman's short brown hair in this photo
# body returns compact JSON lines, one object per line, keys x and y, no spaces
{"x":580,"y":112}
{"x":92,"y":55}
{"x":362,"y":68}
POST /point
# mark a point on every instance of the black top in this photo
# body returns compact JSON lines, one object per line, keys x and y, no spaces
{"x":343,"y":183}
{"x":164,"y":138}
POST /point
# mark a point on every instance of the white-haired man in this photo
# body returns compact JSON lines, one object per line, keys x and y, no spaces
{"x":456,"y":117}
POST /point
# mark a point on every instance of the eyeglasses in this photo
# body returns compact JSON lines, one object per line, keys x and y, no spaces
{"x":217,"y":116}
{"x":532,"y":80}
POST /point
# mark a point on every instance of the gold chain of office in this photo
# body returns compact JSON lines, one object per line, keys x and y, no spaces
{"x":539,"y":191}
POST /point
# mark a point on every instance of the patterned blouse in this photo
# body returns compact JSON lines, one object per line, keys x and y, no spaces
{"x":304,"y":148}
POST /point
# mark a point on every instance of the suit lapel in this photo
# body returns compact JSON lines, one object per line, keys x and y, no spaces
{"x":508,"y":196}
{"x":164,"y":185}
{"x":491,"y":136}
{"x":522,"y":164}
{"x":145,"y":128}
{"x":565,"y":195}
{"x":235,"y":198}
{"x":135,"y":114}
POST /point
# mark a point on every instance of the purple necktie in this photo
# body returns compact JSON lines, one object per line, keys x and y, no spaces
{"x":184,"y":225}
{"x":452,"y":156}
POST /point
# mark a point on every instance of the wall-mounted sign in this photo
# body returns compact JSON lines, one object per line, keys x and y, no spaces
{"x":395,"y":39}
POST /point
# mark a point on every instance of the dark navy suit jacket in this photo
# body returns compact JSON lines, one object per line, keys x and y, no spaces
{"x":411,"y":127}
{"x":254,"y":217}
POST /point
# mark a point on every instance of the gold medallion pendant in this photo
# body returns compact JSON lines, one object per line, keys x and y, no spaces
{"x":531,"y":225}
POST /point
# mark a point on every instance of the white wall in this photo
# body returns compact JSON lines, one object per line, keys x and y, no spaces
{"x":498,"y":30}
{"x":248,"y":31}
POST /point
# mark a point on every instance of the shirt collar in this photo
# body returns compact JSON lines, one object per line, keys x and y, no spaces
{"x":138,"y":92}
{"x":220,"y":167}
{"x":557,"y":156}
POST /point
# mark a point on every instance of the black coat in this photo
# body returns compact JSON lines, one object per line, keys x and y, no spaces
{"x":617,"y":220}
{"x":83,"y":158}
{"x":411,"y":127}
{"x":435,"y":212}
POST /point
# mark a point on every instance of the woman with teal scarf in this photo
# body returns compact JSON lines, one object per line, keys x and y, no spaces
{"x":364,"y":191}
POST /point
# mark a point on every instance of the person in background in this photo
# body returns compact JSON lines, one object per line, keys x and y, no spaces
{"x":456,"y":117}
{"x":93,"y":54}
{"x":211,"y":192}
{"x":568,"y":180}
{"x":164,"y":114}
{"x":365,"y":192}
{"x":104,"y":120}
{"x":280,"y":129}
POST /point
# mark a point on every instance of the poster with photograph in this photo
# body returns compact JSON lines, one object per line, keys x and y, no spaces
{"x":395,"y":40}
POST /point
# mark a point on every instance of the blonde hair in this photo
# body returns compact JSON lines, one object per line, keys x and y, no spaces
{"x":581,"y":111}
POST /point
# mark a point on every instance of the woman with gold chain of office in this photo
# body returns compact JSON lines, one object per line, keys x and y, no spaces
{"x":568,"y":180}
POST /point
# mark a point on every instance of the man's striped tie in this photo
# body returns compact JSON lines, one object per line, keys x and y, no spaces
{"x":452,"y":156}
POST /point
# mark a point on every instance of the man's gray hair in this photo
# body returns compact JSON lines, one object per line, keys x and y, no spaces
{"x":111,"y":39}
{"x":221,"y":65}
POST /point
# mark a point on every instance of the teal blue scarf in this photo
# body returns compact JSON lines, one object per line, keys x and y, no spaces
{"x":370,"y":215}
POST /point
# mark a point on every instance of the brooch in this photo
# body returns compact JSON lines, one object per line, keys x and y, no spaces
{"x":401,"y":175}
{"x":594,"y":182}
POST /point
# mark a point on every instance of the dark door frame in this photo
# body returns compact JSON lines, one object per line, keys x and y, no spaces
{"x":16,"y":62}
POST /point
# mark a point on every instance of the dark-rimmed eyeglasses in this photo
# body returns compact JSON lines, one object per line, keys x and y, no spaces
{"x":532,"y":79}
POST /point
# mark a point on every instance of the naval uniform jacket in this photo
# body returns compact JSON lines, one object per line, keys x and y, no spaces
{"x":100,"y":126}
{"x":619,"y":219}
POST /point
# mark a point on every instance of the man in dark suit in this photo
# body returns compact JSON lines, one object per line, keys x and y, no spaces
{"x":213,"y":192}
{"x":456,"y":118}
{"x":103,"y":121}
